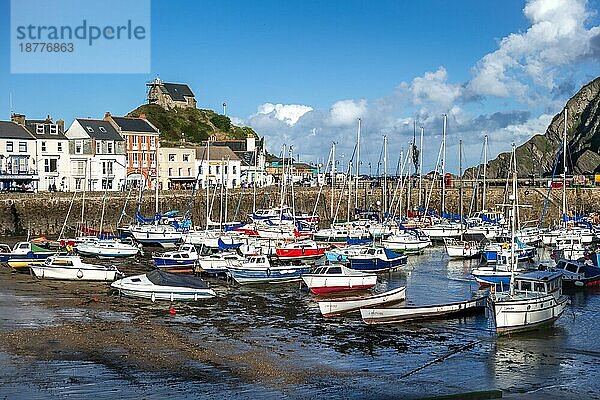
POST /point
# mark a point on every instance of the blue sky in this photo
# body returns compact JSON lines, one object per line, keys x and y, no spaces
{"x":301,"y":72}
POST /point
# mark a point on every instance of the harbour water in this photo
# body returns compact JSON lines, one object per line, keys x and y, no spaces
{"x":75,"y":339}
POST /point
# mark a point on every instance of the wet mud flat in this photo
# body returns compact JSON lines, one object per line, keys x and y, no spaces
{"x":73,"y":339}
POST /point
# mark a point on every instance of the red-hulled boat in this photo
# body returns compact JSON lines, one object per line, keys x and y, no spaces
{"x":337,"y":278}
{"x":301,"y":250}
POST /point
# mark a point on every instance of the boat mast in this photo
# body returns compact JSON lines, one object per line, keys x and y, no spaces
{"x":207,"y":182}
{"x":564,"y":183}
{"x":155,"y":177}
{"x":291,"y":172}
{"x":460,"y":182}
{"x":485,"y":146}
{"x":385,"y":193}
{"x":221,"y":197}
{"x":349,"y":189}
{"x":421,"y":168}
{"x":282,"y":201}
{"x":512,"y":222}
{"x":102,"y":214}
{"x":332,"y":177}
{"x":227,"y":190}
{"x":254,"y":181}
{"x":83,"y":195}
{"x":444,"y":166}
{"x":357,"y":164}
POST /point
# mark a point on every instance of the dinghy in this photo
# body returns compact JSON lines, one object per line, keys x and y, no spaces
{"x":337,"y":278}
{"x":107,"y":248}
{"x":344,"y":305}
{"x":71,"y":268}
{"x":401,"y":314}
{"x":161,"y":285}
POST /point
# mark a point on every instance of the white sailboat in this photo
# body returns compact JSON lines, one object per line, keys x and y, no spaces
{"x":534,"y":299}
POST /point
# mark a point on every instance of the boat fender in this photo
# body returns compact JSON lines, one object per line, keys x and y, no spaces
{"x":268,"y":272}
{"x":79,"y":273}
{"x":153,"y":297}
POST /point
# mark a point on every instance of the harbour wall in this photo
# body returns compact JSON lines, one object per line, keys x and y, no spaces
{"x":45,"y":213}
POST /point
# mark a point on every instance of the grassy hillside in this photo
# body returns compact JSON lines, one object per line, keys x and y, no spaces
{"x":193,"y":125}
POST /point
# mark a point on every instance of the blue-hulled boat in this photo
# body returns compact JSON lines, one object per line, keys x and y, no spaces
{"x":578,"y":274}
{"x":492,"y":252}
{"x":341,"y":254}
{"x":182,"y":260}
{"x":258,"y":269}
{"x":377,"y":259}
{"x":496,"y":275}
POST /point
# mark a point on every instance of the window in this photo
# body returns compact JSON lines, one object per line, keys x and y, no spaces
{"x":217,"y":170}
{"x":102,"y":129}
{"x":22,"y":165}
{"x":234,"y":169}
{"x":134,"y":140}
{"x":189,"y":172}
{"x":135,"y":158}
{"x":171,"y":157}
{"x":9,"y":147}
{"x":54,"y":129}
{"x":59,"y":147}
{"x":90,"y":129}
{"x":50,"y":165}
{"x":39,"y":129}
{"x":226,"y":169}
{"x":22,"y":147}
{"x":538,"y":287}
{"x":43,"y":146}
{"x":209,"y":170}
{"x":107,"y":184}
{"x":170,"y":171}
{"x":79,"y":147}
{"x":144,"y":157}
{"x":152,"y":157}
{"x":98,"y":147}
{"x":152,"y":143}
{"x":110,"y":148}
{"x":526,"y":286}
{"x":107,"y":168}
{"x":179,"y":172}
{"x":186,"y":157}
{"x":78,"y":183}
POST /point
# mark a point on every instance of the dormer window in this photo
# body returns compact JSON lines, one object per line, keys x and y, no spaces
{"x":90,"y":129}
{"x":39,"y":129}
{"x":102,"y":129}
{"x":54,"y":129}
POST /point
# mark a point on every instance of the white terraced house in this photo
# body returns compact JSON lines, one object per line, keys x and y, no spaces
{"x":97,"y":151}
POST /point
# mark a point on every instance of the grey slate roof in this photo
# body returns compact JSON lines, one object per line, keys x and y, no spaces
{"x":92,"y":128}
{"x":12,"y":130}
{"x":134,"y":125}
{"x":31,"y":125}
{"x":177,"y":91}
{"x":216,"y":153}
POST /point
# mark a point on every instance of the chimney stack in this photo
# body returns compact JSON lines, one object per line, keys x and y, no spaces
{"x":107,"y":115}
{"x":18,"y":119}
{"x":142,"y":116}
{"x":61,"y":125}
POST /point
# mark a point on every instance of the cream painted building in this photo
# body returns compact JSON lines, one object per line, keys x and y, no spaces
{"x":176,"y":167}
{"x":218,"y":165}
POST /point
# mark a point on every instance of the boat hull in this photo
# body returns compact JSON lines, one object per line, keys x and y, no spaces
{"x":245,"y":276}
{"x":376,"y":264}
{"x":401,"y":314}
{"x":330,"y":308}
{"x":74,"y":274}
{"x":331,"y":284}
{"x":521,"y":315}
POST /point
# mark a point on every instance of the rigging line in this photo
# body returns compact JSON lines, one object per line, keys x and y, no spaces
{"x":545,"y":208}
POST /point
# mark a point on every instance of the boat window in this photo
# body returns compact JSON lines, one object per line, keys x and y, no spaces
{"x":335,"y":270}
{"x":185,"y":256}
{"x":571,"y":268}
{"x":526,"y":286}
{"x":539,"y":287}
{"x":176,"y":256}
{"x":24,"y":246}
{"x":371,"y":251}
{"x":136,"y":280}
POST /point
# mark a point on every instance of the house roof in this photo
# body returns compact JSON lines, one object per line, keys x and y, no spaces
{"x":178,"y":91}
{"x":247,"y":157}
{"x":216,"y":153}
{"x":235,"y":145}
{"x":31,"y":126}
{"x":128,"y":124}
{"x":99,"y":129}
{"x":12,"y":130}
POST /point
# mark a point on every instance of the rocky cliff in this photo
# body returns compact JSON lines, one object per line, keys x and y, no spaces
{"x":538,"y":155}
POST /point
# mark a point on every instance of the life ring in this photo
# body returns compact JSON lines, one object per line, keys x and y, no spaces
{"x":505,"y":245}
{"x":79,"y":273}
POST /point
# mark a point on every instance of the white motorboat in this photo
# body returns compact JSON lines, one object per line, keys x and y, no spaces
{"x":339,"y":306}
{"x":161,"y":285}
{"x":461,"y":248}
{"x":218,"y":263}
{"x":549,"y":238}
{"x":407,"y":242}
{"x":107,"y":248}
{"x":337,"y":278}
{"x":535,"y":301}
{"x":72,"y":268}
{"x":570,"y":247}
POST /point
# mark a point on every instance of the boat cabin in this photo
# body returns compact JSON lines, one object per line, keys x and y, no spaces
{"x":333,"y":269}
{"x":538,"y":282}
{"x":257,"y":260}
{"x":576,"y":270}
{"x":187,"y":248}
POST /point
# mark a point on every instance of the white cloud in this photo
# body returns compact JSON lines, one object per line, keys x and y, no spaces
{"x":433,"y":88}
{"x":288,"y":113}
{"x":345,"y":112}
{"x":557,"y":37}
